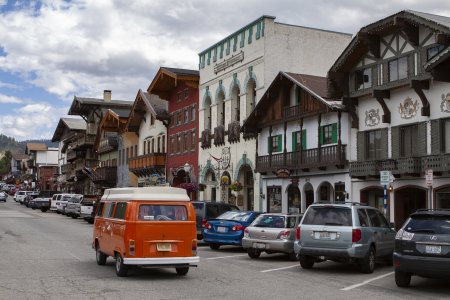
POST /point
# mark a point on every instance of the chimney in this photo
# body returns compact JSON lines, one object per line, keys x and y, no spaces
{"x":107,"y":95}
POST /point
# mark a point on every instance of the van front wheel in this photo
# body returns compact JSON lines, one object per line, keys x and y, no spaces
{"x":100,"y":257}
{"x":182,"y":271}
{"x":121,"y":268}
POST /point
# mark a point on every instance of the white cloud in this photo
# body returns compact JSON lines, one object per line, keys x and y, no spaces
{"x":9,"y":99}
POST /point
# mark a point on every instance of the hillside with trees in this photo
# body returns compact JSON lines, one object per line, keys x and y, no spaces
{"x":15,"y":147}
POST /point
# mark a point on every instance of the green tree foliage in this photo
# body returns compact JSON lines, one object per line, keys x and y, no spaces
{"x":5,"y":163}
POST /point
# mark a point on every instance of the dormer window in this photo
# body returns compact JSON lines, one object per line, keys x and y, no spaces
{"x":363,"y":79}
{"x":398,"y":69}
{"x":433,"y":51}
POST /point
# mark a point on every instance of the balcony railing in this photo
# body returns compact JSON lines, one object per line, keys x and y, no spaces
{"x":74,"y":154}
{"x":105,"y":174}
{"x":147,"y":164}
{"x":303,"y":160}
{"x":206,"y":139}
{"x":66,"y":168}
{"x":108,"y":144}
{"x":234,"y":132}
{"x":414,"y":166}
{"x":83,"y":141}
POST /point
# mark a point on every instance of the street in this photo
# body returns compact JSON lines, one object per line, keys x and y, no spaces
{"x":49,"y":256}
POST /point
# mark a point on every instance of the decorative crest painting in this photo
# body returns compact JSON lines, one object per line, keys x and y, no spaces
{"x":445,"y":104}
{"x":408,"y":109}
{"x":372,"y":117}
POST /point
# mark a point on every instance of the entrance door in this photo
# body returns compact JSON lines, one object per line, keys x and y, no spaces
{"x":407,"y":201}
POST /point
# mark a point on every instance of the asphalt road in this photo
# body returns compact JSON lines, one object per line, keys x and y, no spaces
{"x":49,"y":256}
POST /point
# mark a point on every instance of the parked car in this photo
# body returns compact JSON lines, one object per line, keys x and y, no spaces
{"x":271,"y":233}
{"x":344,"y":232}
{"x":3,"y":196}
{"x":22,"y":194}
{"x":73,"y":206}
{"x":28,"y":198}
{"x":87,"y":208}
{"x":61,"y":203}
{"x":13,"y":192}
{"x":228,"y":228}
{"x":422,"y":246}
{"x":152,"y":226}
{"x":205,"y":211}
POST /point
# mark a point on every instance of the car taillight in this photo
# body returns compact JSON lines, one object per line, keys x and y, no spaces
{"x":131,"y":247}
{"x":356,"y":235}
{"x":284,"y":234}
{"x":297,"y":233}
{"x":246,"y":233}
{"x":207,"y":226}
{"x":237,"y":228}
{"x":194,"y":247}
{"x":204,"y":223}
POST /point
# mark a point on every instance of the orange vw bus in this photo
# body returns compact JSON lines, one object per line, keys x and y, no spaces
{"x":150,"y":227}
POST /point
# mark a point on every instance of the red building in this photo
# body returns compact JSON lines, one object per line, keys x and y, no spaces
{"x":180,"y":88}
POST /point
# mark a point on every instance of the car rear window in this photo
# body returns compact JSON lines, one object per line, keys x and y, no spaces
{"x":235,"y":216}
{"x":433,"y":224}
{"x":328,"y":215}
{"x":272,"y":221}
{"x":154,"y":212}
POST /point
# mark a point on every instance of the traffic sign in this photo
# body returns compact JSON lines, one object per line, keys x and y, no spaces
{"x":385,"y":177}
{"x":429,"y":177}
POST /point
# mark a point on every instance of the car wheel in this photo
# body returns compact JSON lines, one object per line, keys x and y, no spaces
{"x":307,"y":262}
{"x":253,"y":253}
{"x":99,"y":256}
{"x":214,"y":246}
{"x":182,"y":271}
{"x":367,"y":264}
{"x":121,"y":268}
{"x":292,"y":256}
{"x":74,"y":216}
{"x":402,"y":279}
{"x":43,"y":209}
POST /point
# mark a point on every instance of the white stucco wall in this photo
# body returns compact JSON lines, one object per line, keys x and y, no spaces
{"x":147,"y":130}
{"x":48,"y":157}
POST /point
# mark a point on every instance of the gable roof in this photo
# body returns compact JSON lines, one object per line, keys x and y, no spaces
{"x":166,"y":79}
{"x":35,"y":147}
{"x":359,"y":44}
{"x":313,"y":85}
{"x":144,"y":103}
{"x":83,"y":106}
{"x":71,"y":124}
{"x":114,"y":120}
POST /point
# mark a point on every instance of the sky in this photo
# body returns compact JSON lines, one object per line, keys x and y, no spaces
{"x":52,"y":50}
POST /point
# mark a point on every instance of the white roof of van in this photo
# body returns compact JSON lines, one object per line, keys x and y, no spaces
{"x":157,"y":193}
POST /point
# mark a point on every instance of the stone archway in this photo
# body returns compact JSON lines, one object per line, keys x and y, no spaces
{"x":325,"y":192}
{"x":308,"y":199}
{"x":294,"y":199}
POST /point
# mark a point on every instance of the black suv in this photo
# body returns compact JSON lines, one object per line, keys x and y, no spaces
{"x":422,"y":246}
{"x":209,"y":210}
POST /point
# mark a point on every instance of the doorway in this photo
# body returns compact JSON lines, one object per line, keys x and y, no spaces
{"x":407,"y":201}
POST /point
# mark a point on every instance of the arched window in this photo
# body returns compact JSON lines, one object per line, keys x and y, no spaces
{"x":221,"y":109}
{"x":207,"y":113}
{"x":251,"y":96}
{"x":235,"y":104}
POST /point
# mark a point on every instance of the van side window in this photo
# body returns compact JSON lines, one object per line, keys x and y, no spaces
{"x":109,"y":209}
{"x":100,"y":209}
{"x":162,"y":213}
{"x":121,"y":207}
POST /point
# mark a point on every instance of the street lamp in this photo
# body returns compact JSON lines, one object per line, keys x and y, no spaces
{"x":187,"y":169}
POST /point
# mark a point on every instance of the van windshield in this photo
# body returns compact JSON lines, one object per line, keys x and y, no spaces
{"x":155,"y":212}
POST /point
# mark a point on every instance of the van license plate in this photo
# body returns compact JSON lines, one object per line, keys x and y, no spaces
{"x":432,"y":249}
{"x":164,"y":247}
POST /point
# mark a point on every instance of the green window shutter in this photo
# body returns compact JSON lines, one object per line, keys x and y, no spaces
{"x":304,"y":139}
{"x":334,"y":133}
{"x":209,"y":57}
{"x":321,"y":135}
{"x":215,"y":54}
{"x":235,"y":43}
{"x":294,"y":141}
{"x":221,"y":51}
{"x":228,"y":47}
{"x":269,"y":144}
{"x":250,"y":34}
{"x":242,"y":39}
{"x":258,"y":30}
{"x":280,"y":140}
{"x":262,"y":29}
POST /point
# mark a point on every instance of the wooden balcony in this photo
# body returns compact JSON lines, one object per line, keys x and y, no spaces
{"x":303,"y":160}
{"x":144,"y":165}
{"x":206,"y":139}
{"x":234,"y":132}
{"x":108,"y":144}
{"x":83,"y":142}
{"x":66,"y":168}
{"x":105,"y":174}
{"x":74,"y":154}
{"x":219,"y":135}
{"x":295,"y":112}
{"x":437,"y":163}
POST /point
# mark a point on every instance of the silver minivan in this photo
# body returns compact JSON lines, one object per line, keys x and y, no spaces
{"x":344,"y":232}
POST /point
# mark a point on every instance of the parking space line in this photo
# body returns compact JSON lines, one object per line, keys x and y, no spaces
{"x":271,"y":270}
{"x":219,"y":257}
{"x":366,"y":282}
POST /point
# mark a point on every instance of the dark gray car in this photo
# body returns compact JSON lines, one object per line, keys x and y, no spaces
{"x":271,"y":233}
{"x":344,"y":232}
